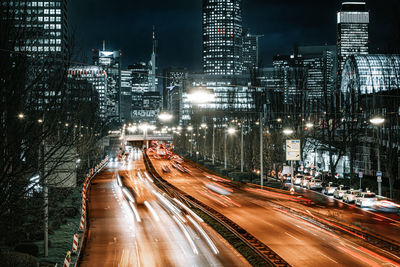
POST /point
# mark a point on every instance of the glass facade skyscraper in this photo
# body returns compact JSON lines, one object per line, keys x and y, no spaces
{"x":352,"y":31}
{"x":41,"y":26}
{"x":222,"y":37}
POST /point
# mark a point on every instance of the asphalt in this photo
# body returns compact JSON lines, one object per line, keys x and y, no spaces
{"x":297,"y":241}
{"x":116,"y":237}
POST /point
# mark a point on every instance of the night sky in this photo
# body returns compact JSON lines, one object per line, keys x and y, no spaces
{"x":126,"y":25}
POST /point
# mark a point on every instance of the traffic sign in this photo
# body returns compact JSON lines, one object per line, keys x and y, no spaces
{"x":379,"y":173}
{"x":360,"y":175}
{"x":379,"y":179}
{"x":293,"y":149}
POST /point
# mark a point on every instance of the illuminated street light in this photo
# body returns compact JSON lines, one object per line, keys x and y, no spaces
{"x":132,"y":129}
{"x":201,"y":97}
{"x":203,"y":125}
{"x":190,"y":129}
{"x":231,"y":131}
{"x":377,"y":120}
{"x":309,"y":125}
{"x":287,"y":131}
{"x":40,"y":121}
{"x":21,"y":116}
{"x":164,"y":116}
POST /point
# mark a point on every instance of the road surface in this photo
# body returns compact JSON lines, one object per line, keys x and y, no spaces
{"x":297,"y":241}
{"x":154,"y":235}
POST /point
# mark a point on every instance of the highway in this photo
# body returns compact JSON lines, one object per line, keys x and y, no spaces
{"x":146,"y":231}
{"x":297,"y":241}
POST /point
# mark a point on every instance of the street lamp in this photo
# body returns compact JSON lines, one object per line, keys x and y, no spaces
{"x":132,"y":129}
{"x":165,"y":116}
{"x":309,"y":125}
{"x":378,"y":121}
{"x":21,"y":116}
{"x":228,"y":131}
{"x":190,"y":129}
{"x":288,"y":132}
{"x":201,"y":96}
{"x":144,"y":127}
{"x":204,"y":126}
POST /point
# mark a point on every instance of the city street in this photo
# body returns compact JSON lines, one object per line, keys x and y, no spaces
{"x":297,"y":241}
{"x":147,"y":234}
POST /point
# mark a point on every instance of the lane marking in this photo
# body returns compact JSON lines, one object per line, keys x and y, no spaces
{"x":327,"y":257}
{"x":293,"y":236}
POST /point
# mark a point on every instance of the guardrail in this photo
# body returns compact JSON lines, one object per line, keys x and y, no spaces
{"x":78,"y":246}
{"x":266,"y":253}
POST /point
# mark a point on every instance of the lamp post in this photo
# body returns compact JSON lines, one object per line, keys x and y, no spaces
{"x":378,"y":121}
{"x":261,"y":151}
{"x":213,"y":144}
{"x":241,"y":148}
{"x":228,"y":131}
{"x":288,"y":132}
{"x":204,"y":126}
{"x":190,"y":129}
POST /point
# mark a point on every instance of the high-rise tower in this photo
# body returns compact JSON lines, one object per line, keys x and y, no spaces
{"x":352,"y":31}
{"x":222,"y":37}
{"x":153,"y":64}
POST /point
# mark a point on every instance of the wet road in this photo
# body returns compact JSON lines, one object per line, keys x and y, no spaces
{"x":148,"y":231}
{"x":297,"y":241}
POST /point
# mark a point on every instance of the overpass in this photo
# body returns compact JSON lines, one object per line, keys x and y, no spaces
{"x":142,"y":137}
{"x":149,"y":137}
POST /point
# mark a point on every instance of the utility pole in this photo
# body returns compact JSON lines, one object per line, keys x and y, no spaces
{"x":241,"y":148}
{"x":261,"y":151}
{"x":213,"y":143}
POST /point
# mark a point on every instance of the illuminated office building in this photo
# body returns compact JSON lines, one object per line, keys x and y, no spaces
{"x":371,"y":74}
{"x":352,"y":31}
{"x":110,"y":61}
{"x":222,"y":37}
{"x":42,"y":26}
{"x":95,"y":76}
{"x":250,"y":51}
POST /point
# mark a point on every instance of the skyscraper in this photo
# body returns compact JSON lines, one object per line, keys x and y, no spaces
{"x":352,"y":31}
{"x":250,"y":51}
{"x":41,"y":28}
{"x":110,"y":61}
{"x":222,"y":37}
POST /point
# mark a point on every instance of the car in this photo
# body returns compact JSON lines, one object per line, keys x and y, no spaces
{"x":365,"y":199}
{"x":339,"y":191}
{"x":165,"y":168}
{"x":350,"y":195}
{"x":297,"y":179}
{"x":386,"y":205}
{"x":314,"y":184}
{"x":286,"y":180}
{"x":330,"y":189}
{"x":305,"y":180}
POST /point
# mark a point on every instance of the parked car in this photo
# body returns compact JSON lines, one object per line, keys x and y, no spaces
{"x":365,"y":199}
{"x":314,"y":184}
{"x":286,"y":180}
{"x":339,"y":191}
{"x":330,"y":189}
{"x":305,"y":180}
{"x":297,"y":179}
{"x":350,"y":195}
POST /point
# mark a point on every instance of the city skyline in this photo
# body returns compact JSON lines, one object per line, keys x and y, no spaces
{"x":309,"y":23}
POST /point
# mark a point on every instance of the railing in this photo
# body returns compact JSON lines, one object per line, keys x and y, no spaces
{"x":74,"y":258}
